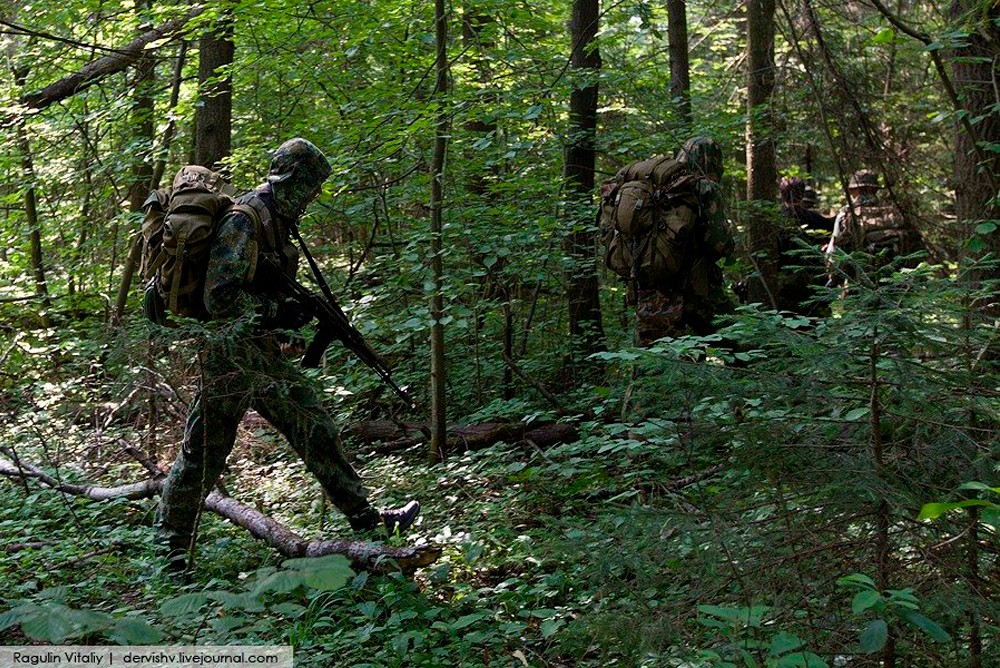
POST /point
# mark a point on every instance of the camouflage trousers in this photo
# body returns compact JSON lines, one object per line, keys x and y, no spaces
{"x":661,"y":314}
{"x":243,"y":373}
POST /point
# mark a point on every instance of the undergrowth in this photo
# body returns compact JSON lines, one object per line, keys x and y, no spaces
{"x":763,"y":507}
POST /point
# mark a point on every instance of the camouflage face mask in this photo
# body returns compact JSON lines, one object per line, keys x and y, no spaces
{"x":298,"y":169}
{"x":703,"y":155}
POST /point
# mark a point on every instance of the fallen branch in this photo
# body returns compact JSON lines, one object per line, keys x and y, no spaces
{"x":364,"y":555}
{"x":386,"y":436}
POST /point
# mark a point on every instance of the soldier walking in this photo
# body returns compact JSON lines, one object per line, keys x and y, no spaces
{"x":244,"y":367}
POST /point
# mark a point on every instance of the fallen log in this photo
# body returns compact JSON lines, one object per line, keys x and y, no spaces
{"x":363,"y":555}
{"x":386,"y":436}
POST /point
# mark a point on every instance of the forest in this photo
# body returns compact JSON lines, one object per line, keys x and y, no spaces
{"x":802,"y":487}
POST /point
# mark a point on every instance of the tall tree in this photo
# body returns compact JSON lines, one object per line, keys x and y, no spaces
{"x":762,"y":178}
{"x":143,"y":127}
{"x":439,"y":378}
{"x":30,"y":200}
{"x":977,"y":146}
{"x":680,"y":76}
{"x":214,"y":121}
{"x":585,"y":329}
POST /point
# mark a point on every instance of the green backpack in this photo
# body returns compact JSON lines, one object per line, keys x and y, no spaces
{"x":648,"y":217}
{"x":177,"y":232}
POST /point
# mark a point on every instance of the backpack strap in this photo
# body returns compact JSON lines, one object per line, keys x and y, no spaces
{"x":253,"y":207}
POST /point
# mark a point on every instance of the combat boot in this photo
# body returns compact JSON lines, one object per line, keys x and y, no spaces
{"x":400,"y":519}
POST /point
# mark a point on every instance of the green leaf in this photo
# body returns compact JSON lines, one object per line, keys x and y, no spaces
{"x":281,"y":582}
{"x":985,"y":228}
{"x":884,"y":36}
{"x":856,"y":580}
{"x":50,"y":625}
{"x":875,"y":635}
{"x":748,"y":659}
{"x":184,"y":604}
{"x":14,"y":615}
{"x":932,"y":511}
{"x":467,"y":620}
{"x":801,"y":660}
{"x":864,"y":600}
{"x":751,"y":617}
{"x":932,"y":629}
{"x":979,"y":487}
{"x":784,"y":642}
{"x":242,"y":601}
{"x":550,"y":626}
{"x":533,"y":112}
{"x":132,"y":631}
{"x":856,"y":414}
{"x":328,"y":578}
{"x":288,"y":609}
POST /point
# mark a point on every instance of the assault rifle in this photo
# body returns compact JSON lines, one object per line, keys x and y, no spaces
{"x":333,"y":324}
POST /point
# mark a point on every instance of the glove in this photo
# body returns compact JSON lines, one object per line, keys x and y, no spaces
{"x":289,"y":315}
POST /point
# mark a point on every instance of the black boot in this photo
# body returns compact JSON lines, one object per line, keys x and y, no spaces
{"x":400,"y":519}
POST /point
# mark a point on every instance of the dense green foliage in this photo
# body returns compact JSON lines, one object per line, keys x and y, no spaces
{"x":824,"y":496}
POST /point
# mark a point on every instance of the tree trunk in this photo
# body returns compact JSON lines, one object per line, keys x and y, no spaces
{"x":142,"y":169}
{"x":438,"y":370}
{"x":974,"y":79}
{"x":762,"y":178}
{"x":30,"y":199}
{"x":473,"y":22}
{"x":387,"y":436}
{"x":585,"y":328}
{"x":680,"y":81}
{"x":214,"y":118}
{"x":160,"y":165}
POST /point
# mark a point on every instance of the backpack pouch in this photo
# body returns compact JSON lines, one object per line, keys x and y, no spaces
{"x":635,"y":208}
{"x":668,"y":248}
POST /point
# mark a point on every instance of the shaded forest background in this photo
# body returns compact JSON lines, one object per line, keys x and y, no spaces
{"x":773,"y":512}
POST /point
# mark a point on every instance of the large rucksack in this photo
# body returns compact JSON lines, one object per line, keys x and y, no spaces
{"x":648,"y":220}
{"x":178,"y":229}
{"x":884,"y":229}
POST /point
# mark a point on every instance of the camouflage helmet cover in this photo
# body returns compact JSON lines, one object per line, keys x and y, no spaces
{"x":864,"y":178}
{"x":792,"y":189}
{"x":702,"y":154}
{"x":298,"y":168}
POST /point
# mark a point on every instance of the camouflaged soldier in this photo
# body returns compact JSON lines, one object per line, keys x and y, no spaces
{"x":870,"y":225}
{"x":799,"y":271}
{"x":691,"y":302}
{"x":243,"y":365}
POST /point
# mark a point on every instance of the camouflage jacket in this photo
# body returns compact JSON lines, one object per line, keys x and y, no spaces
{"x":235,"y":285}
{"x":718,"y":237}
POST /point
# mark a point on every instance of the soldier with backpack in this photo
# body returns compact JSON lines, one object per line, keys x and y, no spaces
{"x":870,"y":225}
{"x":664,"y":228}
{"x":242,"y":362}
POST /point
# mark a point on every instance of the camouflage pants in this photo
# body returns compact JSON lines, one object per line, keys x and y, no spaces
{"x":238,"y":375}
{"x":660,"y":314}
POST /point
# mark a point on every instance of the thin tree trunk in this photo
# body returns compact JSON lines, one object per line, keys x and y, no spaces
{"x":762,"y":178}
{"x":438,"y":370}
{"x":585,"y":328}
{"x":30,"y":199}
{"x":160,"y":165}
{"x":680,"y":78}
{"x":142,"y":171}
